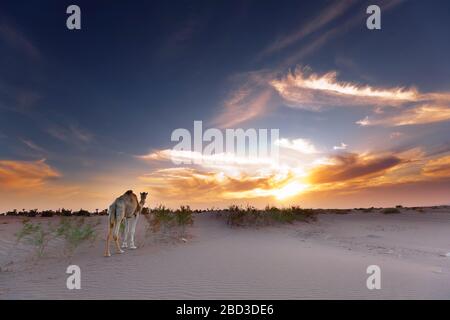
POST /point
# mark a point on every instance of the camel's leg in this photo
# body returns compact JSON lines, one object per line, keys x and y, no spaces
{"x":116,"y":236}
{"x":125,"y":233}
{"x":133,"y":231}
{"x":108,"y":239}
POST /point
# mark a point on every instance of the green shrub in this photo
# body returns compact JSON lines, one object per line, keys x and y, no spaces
{"x":76,"y":231}
{"x":72,"y":230}
{"x":165,"y":224}
{"x":36,"y":235}
{"x":238,"y":216}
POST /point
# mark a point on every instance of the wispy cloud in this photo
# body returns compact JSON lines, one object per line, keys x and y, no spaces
{"x":328,"y":15}
{"x":181,"y":156}
{"x":23,"y":175}
{"x":334,"y":31}
{"x":306,"y":90}
{"x":251,"y":99}
{"x":14,"y":38}
{"x":71,"y":134}
{"x":30,"y":144}
{"x":423,"y":114}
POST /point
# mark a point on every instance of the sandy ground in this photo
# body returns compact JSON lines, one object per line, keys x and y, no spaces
{"x":323,"y":259}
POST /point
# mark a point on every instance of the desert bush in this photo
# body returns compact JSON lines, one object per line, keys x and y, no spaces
{"x":47,"y":213}
{"x":30,"y":213}
{"x":164,"y":224}
{"x":66,"y":213}
{"x":390,"y":211}
{"x":183,"y":218}
{"x":238,"y":216}
{"x":73,"y":231}
{"x":36,"y":235}
{"x":76,"y":231}
{"x":82,"y":213}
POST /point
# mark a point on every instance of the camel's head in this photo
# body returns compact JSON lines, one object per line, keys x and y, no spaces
{"x":144,"y":196}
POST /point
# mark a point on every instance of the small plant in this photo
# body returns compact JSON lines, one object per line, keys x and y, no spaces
{"x":183,"y":218}
{"x":167,"y":224}
{"x":390,"y":211}
{"x":35,"y":235}
{"x":75,"y":232}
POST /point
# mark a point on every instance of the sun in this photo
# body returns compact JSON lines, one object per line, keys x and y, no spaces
{"x":290,"y":190}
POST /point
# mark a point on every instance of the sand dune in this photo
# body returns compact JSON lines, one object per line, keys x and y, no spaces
{"x":324,"y":259}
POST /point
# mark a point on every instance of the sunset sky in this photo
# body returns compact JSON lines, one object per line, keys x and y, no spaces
{"x":363,"y":115}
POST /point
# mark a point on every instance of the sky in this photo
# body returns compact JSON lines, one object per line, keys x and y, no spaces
{"x":363,"y":115}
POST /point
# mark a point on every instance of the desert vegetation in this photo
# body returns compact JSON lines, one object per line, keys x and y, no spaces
{"x":166,"y":224}
{"x":390,"y":210}
{"x":163,"y":212}
{"x":248,"y":216}
{"x":54,"y":213}
{"x":73,"y":232}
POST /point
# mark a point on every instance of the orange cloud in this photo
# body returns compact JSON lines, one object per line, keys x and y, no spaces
{"x":350,"y":166}
{"x":25,"y":174}
{"x":173,"y":183}
{"x":341,"y":176}
{"x":437,"y":168}
{"x":423,"y":114}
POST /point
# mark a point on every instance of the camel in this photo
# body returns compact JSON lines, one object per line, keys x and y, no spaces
{"x":125,"y":207}
{"x":131,"y":222}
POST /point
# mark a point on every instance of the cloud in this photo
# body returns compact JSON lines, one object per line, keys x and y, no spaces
{"x":30,"y":144}
{"x":342,"y":146}
{"x":180,"y":156}
{"x":71,"y":134}
{"x":20,"y":175}
{"x":301,"y":145}
{"x":328,"y":15}
{"x":396,"y":135}
{"x":423,"y":114}
{"x":350,"y":166}
{"x":172,"y":183}
{"x":437,"y":168}
{"x":305,"y":90}
{"x":327,"y":35}
{"x":243,"y":106}
{"x":19,"y":41}
{"x":250,"y":99}
{"x":227,"y":163}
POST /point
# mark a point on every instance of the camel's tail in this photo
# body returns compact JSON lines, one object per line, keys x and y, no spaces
{"x":112,"y":214}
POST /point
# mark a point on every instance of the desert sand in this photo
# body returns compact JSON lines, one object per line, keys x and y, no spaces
{"x":325,"y":259}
